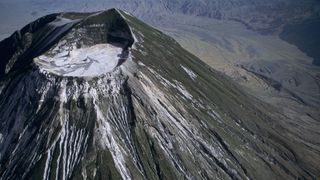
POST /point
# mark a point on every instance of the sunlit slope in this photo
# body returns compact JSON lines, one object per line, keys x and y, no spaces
{"x":160,"y":113}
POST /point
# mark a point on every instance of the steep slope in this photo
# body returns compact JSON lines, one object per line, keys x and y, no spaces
{"x":226,"y":34}
{"x":104,"y":96}
{"x":223,"y":34}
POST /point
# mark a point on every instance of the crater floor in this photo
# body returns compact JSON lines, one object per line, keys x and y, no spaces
{"x":84,"y":62}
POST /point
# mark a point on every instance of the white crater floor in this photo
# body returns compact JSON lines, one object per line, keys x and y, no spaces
{"x":92,"y":61}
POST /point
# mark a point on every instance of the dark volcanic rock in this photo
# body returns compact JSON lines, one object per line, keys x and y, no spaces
{"x":105,"y":96}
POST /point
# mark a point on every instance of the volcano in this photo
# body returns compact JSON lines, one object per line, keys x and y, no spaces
{"x":105,"y":96}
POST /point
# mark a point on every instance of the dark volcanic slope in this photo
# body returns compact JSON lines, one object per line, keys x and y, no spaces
{"x":104,"y":96}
